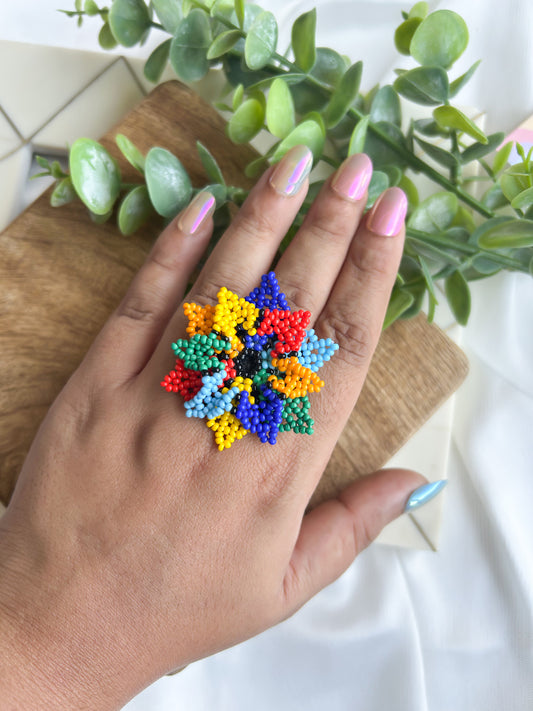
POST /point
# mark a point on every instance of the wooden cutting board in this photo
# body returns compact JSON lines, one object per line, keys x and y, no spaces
{"x":61,"y":276}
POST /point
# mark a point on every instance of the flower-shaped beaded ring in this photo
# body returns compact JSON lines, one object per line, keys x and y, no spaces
{"x":249,"y":365}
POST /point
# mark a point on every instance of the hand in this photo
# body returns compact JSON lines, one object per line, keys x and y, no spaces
{"x":132,"y":546}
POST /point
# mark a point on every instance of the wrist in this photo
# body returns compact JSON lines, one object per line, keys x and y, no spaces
{"x":43,"y":658}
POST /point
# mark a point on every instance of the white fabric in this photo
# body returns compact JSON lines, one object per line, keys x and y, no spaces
{"x":408,"y":630}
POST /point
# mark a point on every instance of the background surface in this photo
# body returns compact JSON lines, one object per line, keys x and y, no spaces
{"x":405,"y":629}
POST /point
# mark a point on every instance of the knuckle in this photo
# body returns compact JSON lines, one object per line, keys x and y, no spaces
{"x":371,"y":260}
{"x":136,"y":308}
{"x":254,"y":224}
{"x":355,"y":337}
{"x":298,"y":294}
{"x":335,"y":225}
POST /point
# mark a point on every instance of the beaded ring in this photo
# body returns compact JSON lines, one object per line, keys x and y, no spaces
{"x":249,"y":365}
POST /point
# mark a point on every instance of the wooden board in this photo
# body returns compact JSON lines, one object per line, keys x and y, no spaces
{"x":61,"y":275}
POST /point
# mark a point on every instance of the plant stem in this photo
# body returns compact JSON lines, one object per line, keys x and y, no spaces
{"x":440,"y":240}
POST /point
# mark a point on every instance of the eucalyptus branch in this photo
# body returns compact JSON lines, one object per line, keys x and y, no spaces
{"x":315,"y":99}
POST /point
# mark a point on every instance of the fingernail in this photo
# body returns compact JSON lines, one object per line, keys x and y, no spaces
{"x":292,"y":170}
{"x":197,"y":212}
{"x":389,"y":211}
{"x":423,"y":494}
{"x":353,"y":177}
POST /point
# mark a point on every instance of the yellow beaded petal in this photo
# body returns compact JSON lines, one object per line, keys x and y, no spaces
{"x":227,"y":429}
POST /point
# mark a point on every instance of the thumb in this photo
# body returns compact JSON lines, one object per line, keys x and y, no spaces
{"x":334,"y":533}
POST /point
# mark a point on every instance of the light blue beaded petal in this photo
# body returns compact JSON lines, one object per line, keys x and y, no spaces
{"x":314,"y":351}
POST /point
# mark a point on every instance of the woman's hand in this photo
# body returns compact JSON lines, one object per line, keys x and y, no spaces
{"x":132,"y":546}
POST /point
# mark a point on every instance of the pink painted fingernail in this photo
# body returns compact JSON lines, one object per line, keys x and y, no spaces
{"x":292,"y":170}
{"x":389,"y":211}
{"x":353,"y":177}
{"x":197,"y":212}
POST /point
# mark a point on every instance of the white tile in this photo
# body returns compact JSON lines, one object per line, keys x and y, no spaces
{"x":99,"y":107}
{"x":13,"y":174}
{"x":9,"y":139}
{"x":36,"y":81}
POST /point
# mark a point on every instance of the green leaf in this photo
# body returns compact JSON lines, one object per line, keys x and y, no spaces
{"x":386,"y":106}
{"x":457,"y":84}
{"x":438,"y":154}
{"x":78,"y":4}
{"x":428,"y":278}
{"x":188,"y":49}
{"x":169,"y":13}
{"x":440,"y":39}
{"x":410,"y":189}
{"x":303,"y":40}
{"x":261,"y":41}
{"x":256,"y":167}
{"x":458,"y":296}
{"x":510,"y":234}
{"x":239,"y":11}
{"x":308,"y":133}
{"x":167,"y":181}
{"x":43,"y":162}
{"x":450,"y":117}
{"x":404,"y":35}
{"x":91,"y":8}
{"x":515,"y":180}
{"x":424,"y":85}
{"x":237,"y":97}
{"x":378,"y":183}
{"x":134,"y":210}
{"x":280,"y":109}
{"x":100,"y":219}
{"x":419,"y":9}
{"x":95,"y":175}
{"x":379,"y":151}
{"x":132,"y":154}
{"x":210,"y":165}
{"x":128,"y":20}
{"x":157,"y":61}
{"x":358,"y":137}
{"x":502,"y":157}
{"x":106,"y":39}
{"x":223,"y":43}
{"x":399,"y":302}
{"x":494,"y":198}
{"x":344,"y":94}
{"x":247,"y":121}
{"x":393,"y":173}
{"x":63,"y":193}
{"x":329,"y":66}
{"x":523,"y":200}
{"x":429,"y":127}
{"x":479,"y":150}
{"x":434,"y":214}
{"x":57,"y":171}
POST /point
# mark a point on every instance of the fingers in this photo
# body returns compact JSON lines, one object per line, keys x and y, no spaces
{"x":129,"y":337}
{"x":334,"y":533}
{"x":311,"y":263}
{"x":249,"y":245}
{"x":353,"y":316}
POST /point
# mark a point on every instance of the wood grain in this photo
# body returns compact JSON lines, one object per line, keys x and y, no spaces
{"x":62,"y":275}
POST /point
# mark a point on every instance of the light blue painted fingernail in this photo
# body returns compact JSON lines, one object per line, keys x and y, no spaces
{"x":423,"y":494}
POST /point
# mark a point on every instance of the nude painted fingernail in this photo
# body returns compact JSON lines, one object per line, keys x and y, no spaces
{"x":353,"y":177}
{"x":389,"y":211}
{"x":292,"y":170}
{"x":197,"y":212}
